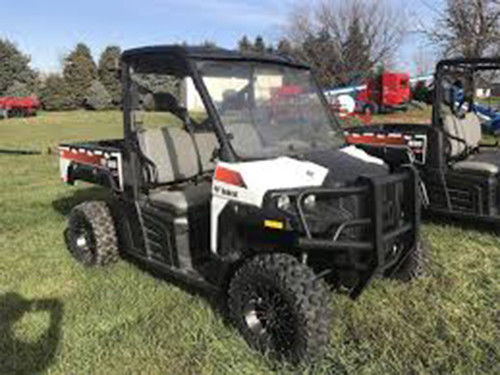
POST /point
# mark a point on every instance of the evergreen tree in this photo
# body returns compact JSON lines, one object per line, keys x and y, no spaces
{"x":284,"y":48}
{"x":55,"y":94}
{"x":18,"y":89}
{"x":79,"y":71}
{"x":319,"y":50}
{"x":244,"y":45}
{"x":97,"y":97}
{"x":356,"y":63}
{"x":209,"y":44}
{"x":259,"y":46}
{"x":337,"y":61}
{"x":109,"y":73}
{"x":15,"y":69}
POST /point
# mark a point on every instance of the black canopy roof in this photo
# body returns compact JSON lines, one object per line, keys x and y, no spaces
{"x":486,"y":63}
{"x":175,"y":58}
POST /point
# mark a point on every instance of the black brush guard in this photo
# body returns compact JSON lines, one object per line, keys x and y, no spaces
{"x":391,"y":225}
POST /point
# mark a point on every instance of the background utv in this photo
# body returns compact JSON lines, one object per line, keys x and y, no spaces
{"x":254,"y":195}
{"x":460,"y":167}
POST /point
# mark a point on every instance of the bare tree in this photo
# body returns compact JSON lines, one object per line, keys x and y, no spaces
{"x":467,"y":28}
{"x":339,"y":37}
{"x":424,"y":61}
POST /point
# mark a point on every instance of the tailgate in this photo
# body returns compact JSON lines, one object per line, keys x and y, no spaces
{"x":411,"y":137}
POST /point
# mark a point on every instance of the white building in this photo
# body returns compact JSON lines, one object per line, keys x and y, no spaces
{"x":219,"y":87}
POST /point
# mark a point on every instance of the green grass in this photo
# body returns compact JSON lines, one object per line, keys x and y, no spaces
{"x":493,"y":101}
{"x":122,"y":320}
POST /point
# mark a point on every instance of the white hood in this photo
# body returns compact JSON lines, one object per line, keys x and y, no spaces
{"x":279,"y":173}
{"x":259,"y":177}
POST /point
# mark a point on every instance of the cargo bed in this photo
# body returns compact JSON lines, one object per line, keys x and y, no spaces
{"x":98,"y":162}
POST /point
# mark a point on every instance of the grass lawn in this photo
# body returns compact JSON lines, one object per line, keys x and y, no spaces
{"x":57,"y":317}
{"x":493,"y":101}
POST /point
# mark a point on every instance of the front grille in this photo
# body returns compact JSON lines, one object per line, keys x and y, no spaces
{"x":393,"y":206}
{"x":330,"y":213}
{"x":349,"y":214}
{"x":397,"y":218}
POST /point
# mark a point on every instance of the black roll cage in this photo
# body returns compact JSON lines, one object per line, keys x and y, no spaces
{"x":466,"y":67}
{"x":181,"y":61}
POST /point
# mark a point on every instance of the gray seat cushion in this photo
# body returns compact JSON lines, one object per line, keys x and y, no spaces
{"x":181,"y":200}
{"x":207,"y":144}
{"x":453,"y":127}
{"x":485,"y":161}
{"x":173,"y":152}
{"x":487,"y":155}
{"x":468,"y":129}
{"x":476,"y":166}
{"x":472,"y":129}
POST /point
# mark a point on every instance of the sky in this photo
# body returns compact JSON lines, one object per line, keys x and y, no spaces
{"x":48,"y":29}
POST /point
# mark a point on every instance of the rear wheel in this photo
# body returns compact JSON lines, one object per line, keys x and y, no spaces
{"x":91,"y":234}
{"x":280,"y":307}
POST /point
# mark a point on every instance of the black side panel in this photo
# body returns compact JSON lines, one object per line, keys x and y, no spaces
{"x":128,"y":226}
{"x":158,"y":231}
{"x":462,"y":192}
{"x":475,"y":194}
{"x":180,"y":241}
{"x":199,"y":233}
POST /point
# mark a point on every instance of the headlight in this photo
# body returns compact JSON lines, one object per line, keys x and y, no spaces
{"x":283,"y":202}
{"x":310,"y":202}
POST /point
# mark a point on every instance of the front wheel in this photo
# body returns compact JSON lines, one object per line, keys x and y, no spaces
{"x":280,"y":307}
{"x":415,"y":265}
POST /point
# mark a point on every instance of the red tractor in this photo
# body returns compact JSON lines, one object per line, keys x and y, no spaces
{"x":11,"y":106}
{"x":385,"y":92}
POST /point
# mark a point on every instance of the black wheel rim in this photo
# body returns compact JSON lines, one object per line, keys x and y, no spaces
{"x":82,"y":238}
{"x":269,"y":318}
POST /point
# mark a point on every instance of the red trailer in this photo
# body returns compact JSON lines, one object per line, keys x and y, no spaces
{"x":11,"y":106}
{"x":282,"y":98}
{"x":386,"y":92}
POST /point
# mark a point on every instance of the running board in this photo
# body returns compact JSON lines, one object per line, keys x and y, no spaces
{"x":188,"y":277}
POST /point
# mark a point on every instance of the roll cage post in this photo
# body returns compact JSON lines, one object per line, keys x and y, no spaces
{"x":226,"y":152}
{"x":469,"y":67}
{"x":437,"y":147}
{"x":190,"y":69}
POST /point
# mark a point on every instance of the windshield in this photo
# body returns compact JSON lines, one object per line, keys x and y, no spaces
{"x":268,"y":109}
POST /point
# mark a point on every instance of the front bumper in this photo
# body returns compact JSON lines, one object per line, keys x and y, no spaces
{"x":389,"y":225}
